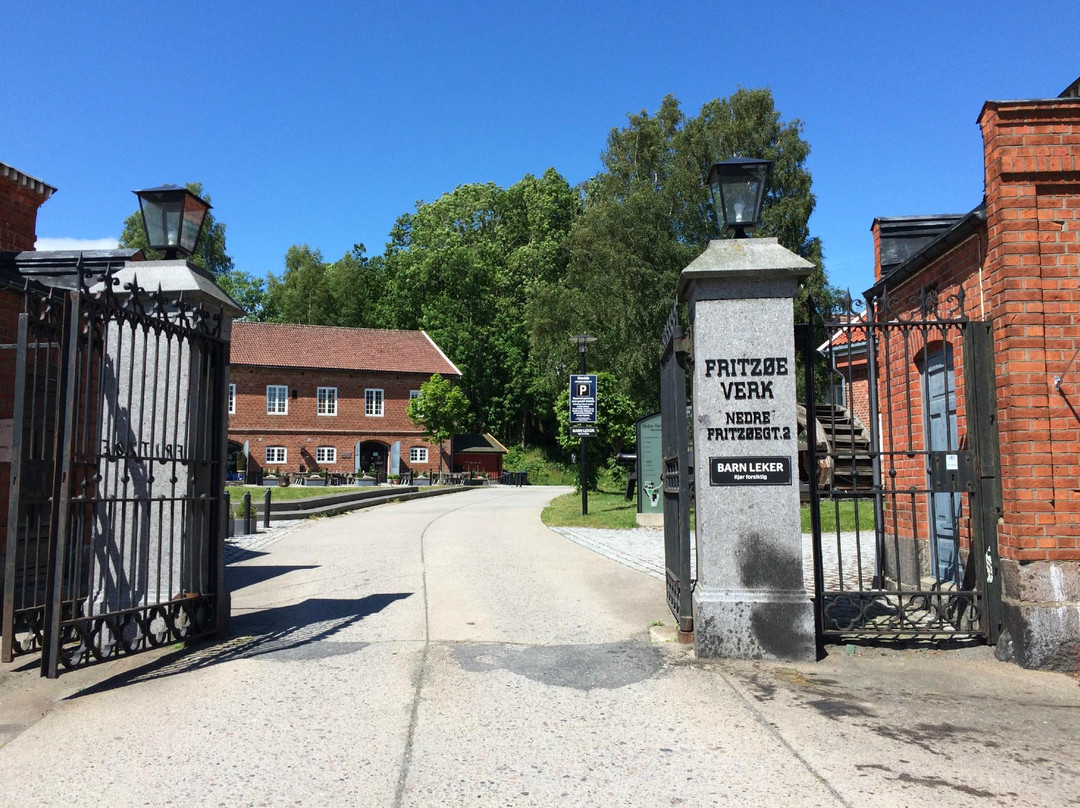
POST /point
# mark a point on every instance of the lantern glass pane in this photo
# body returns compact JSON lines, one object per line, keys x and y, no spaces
{"x":194,"y":212}
{"x":162,"y":213}
{"x":740,"y":198}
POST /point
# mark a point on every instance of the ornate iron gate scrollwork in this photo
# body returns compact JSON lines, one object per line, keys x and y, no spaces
{"x":908,"y":477}
{"x":677,"y":473}
{"x":134,"y":465}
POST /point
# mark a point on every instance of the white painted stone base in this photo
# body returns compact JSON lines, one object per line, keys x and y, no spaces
{"x":650,"y":520}
{"x":744,"y":624}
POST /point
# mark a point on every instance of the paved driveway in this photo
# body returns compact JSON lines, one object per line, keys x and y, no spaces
{"x":454,"y":651}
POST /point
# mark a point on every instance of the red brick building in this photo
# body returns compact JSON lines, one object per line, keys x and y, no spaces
{"x":20,"y":197}
{"x":1013,"y":261}
{"x":323,"y":398}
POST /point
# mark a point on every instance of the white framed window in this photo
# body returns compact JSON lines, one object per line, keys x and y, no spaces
{"x":373,"y":401}
{"x":325,"y":454}
{"x":418,"y":454}
{"x":232,"y":399}
{"x":414,"y":394}
{"x":276,"y":454}
{"x":327,"y":397}
{"x":277,"y":399}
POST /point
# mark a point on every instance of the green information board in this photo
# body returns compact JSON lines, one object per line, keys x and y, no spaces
{"x":650,"y":465}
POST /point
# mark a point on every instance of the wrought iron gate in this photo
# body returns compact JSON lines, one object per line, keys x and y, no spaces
{"x":114,"y":530}
{"x":678,"y":474}
{"x":902,"y":467}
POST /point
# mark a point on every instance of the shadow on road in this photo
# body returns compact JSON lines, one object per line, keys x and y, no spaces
{"x":237,"y":578}
{"x":298,"y":631}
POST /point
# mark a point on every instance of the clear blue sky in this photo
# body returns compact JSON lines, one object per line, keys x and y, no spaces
{"x":321,"y":123}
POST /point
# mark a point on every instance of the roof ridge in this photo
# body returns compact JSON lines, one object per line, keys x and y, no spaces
{"x":330,"y":327}
{"x":441,"y":352}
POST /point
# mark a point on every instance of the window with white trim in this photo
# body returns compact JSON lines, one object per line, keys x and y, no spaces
{"x":277,"y":399}
{"x":276,"y":454}
{"x":327,"y":398}
{"x":414,"y":394}
{"x":373,"y":401}
{"x":418,"y":454}
{"x":232,"y":399}
{"x":325,"y":454}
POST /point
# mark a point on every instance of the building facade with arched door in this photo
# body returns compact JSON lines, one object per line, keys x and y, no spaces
{"x":320,"y":398}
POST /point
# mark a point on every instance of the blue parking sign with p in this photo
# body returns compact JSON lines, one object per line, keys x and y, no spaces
{"x":583,"y":399}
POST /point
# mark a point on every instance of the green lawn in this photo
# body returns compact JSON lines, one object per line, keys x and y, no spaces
{"x":280,"y":494}
{"x":612,"y":511}
{"x":847,"y":516}
{"x":606,"y":510}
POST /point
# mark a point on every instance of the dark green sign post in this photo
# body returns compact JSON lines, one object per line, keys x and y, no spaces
{"x":650,"y":470}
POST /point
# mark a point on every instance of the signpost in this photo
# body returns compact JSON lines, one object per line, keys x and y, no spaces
{"x":582,"y":422}
{"x":582,"y":399}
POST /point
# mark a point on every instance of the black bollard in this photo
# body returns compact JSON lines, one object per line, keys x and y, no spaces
{"x":228,"y":516}
{"x":249,"y":528}
{"x":266,"y":509}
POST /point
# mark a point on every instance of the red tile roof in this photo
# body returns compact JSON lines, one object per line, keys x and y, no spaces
{"x":848,"y":333}
{"x":331,"y":348}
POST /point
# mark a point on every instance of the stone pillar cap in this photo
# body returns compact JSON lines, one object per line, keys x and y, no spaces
{"x":175,"y":277}
{"x":743,"y":259}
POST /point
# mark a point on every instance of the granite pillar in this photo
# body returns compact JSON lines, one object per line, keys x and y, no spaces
{"x":750,"y":601}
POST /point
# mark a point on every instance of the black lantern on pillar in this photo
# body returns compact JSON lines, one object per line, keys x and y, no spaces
{"x":173,"y":218}
{"x":738,"y":190}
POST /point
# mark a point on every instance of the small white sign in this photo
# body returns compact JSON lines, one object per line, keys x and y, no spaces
{"x":952,"y":462}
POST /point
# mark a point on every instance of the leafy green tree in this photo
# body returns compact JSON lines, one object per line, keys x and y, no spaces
{"x":357,"y":287}
{"x":647,"y":215}
{"x":463,"y":268}
{"x":249,"y":292}
{"x":616,"y":416}
{"x":440,"y":411}
{"x":303,"y":294}
{"x":209,"y":249}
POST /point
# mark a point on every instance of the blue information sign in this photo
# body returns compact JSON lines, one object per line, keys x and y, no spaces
{"x":583,"y":399}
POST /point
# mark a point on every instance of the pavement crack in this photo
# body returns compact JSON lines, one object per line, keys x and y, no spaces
{"x":774,"y":732}
{"x":414,"y":713}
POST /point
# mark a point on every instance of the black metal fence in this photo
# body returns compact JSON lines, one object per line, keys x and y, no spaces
{"x":902,"y":468}
{"x":114,"y":533}
{"x":677,"y":473}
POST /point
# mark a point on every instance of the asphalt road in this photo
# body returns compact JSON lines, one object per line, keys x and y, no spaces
{"x":455,"y":652}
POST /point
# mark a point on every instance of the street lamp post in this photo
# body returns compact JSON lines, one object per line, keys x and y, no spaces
{"x":582,"y":341}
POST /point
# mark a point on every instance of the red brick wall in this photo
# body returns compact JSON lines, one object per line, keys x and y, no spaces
{"x":1032,"y":157}
{"x":18,"y":216}
{"x":1023,"y":273}
{"x":302,"y":430}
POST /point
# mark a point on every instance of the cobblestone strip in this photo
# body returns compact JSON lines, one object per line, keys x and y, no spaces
{"x":237,"y":547}
{"x":642,"y":549}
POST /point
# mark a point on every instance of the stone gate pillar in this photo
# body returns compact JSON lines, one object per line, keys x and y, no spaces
{"x":750,"y":601}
